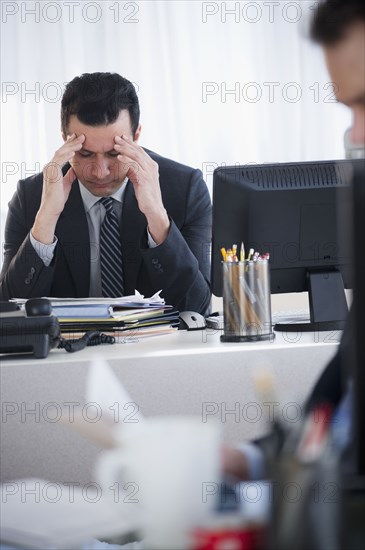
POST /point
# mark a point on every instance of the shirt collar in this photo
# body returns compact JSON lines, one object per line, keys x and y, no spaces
{"x":90,"y":200}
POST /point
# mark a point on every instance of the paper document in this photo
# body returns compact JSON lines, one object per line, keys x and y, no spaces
{"x":104,"y":388}
{"x":136,"y":299}
{"x":61,"y":517}
{"x":118,"y":411}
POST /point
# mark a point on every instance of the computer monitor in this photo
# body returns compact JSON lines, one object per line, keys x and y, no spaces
{"x":289,"y":210}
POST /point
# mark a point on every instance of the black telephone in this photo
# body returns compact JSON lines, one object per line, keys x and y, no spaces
{"x":33,"y":329}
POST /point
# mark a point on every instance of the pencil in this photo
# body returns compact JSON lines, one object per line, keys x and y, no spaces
{"x":242,"y":253}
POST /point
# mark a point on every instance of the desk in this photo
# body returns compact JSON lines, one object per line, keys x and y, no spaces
{"x":184,"y":372}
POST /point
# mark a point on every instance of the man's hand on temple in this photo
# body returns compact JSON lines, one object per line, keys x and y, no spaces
{"x":56,"y":189}
{"x":143,"y":173}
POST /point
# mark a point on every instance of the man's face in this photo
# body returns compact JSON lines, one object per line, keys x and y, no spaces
{"x":346,"y":65}
{"x":96,"y":164}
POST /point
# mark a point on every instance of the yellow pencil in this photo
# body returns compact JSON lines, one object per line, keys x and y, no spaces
{"x":242,"y":253}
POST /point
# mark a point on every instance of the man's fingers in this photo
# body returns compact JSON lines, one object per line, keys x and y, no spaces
{"x":69,"y":177}
{"x":51,"y":172}
{"x":133,"y":172}
{"x":69,"y":148}
{"x":129,"y":164}
{"x":73,"y":137}
{"x":132,"y":150}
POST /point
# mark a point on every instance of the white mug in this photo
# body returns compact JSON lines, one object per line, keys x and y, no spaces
{"x":163,"y":467}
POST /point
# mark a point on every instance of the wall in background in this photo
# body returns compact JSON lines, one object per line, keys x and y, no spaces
{"x":219,"y":82}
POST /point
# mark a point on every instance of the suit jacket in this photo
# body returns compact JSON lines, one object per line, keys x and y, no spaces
{"x":330,"y":389}
{"x":180,"y":266}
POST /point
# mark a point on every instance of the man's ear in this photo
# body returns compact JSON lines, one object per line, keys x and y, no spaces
{"x":137,"y":133}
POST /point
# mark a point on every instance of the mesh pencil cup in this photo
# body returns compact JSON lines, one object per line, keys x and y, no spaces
{"x":246,"y":301}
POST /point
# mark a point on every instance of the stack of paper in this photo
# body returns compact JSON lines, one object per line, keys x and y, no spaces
{"x":128,"y":315}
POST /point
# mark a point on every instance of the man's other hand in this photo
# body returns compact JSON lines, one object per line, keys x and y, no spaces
{"x":234,"y":463}
{"x":143,"y":173}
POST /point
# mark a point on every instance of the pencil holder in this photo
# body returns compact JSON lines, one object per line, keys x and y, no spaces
{"x":246,"y":301}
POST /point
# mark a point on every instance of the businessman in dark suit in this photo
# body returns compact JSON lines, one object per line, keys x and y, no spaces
{"x":52,"y":234}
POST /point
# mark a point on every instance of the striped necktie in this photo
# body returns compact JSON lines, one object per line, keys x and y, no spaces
{"x":111,"y":263}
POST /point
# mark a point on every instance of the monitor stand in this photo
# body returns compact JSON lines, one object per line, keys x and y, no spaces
{"x":327,"y":303}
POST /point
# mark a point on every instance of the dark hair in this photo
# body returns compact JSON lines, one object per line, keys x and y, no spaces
{"x":333,"y":17}
{"x":98,"y":98}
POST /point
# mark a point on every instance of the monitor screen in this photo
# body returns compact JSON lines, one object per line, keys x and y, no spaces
{"x":289,"y":211}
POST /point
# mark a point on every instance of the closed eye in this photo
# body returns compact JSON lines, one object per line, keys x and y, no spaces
{"x":85,"y":154}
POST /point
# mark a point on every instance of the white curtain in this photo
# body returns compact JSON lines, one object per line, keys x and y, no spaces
{"x":219,"y":82}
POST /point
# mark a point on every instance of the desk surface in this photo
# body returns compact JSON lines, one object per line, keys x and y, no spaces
{"x":181,"y":373}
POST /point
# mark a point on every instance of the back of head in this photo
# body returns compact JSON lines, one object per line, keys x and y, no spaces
{"x":332,"y":18}
{"x":98,"y":98}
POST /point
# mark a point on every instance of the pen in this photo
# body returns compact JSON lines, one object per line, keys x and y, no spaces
{"x":242,"y":253}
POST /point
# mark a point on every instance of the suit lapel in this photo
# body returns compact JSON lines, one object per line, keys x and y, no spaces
{"x":73,"y":233}
{"x":133,"y":227}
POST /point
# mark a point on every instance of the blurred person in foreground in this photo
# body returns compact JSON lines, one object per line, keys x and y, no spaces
{"x":339,"y":26}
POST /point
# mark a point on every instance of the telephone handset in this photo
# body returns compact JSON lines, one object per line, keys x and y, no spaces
{"x":32,"y":329}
